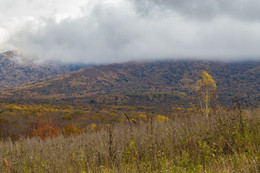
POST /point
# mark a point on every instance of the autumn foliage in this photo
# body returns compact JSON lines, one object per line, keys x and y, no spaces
{"x":206,"y":90}
{"x":43,"y":129}
{"x":71,"y":130}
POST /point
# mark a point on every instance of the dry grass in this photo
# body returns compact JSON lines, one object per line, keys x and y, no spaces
{"x":224,"y":142}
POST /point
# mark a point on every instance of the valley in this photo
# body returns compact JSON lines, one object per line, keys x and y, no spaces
{"x":128,"y":117}
{"x":147,"y":83}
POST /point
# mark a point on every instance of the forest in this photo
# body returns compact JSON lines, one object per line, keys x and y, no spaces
{"x":84,"y":137}
{"x":165,"y":116}
{"x":130,"y":86}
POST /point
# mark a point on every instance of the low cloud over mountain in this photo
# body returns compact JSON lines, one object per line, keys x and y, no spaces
{"x":123,"y":30}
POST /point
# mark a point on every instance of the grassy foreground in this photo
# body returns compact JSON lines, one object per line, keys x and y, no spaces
{"x":227,"y":141}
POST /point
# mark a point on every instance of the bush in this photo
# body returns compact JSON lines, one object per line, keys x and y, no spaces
{"x":43,"y":128}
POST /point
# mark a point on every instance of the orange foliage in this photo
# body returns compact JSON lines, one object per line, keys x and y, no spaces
{"x":6,"y":162}
{"x":44,"y":129}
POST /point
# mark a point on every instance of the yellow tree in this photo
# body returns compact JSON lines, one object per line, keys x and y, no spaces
{"x":206,"y":90}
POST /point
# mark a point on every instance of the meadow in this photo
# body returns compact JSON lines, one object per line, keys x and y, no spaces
{"x":135,"y":141}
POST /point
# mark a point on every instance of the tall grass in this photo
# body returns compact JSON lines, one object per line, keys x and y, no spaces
{"x":227,"y":141}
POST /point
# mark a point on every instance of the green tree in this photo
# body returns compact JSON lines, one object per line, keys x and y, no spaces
{"x":206,"y":90}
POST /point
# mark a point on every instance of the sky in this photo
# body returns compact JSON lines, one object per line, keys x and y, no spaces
{"x":107,"y":31}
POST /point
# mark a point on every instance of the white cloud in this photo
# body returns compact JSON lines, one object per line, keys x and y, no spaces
{"x":15,"y":14}
{"x":116,"y":31}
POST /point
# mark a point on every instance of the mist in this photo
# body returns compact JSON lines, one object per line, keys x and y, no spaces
{"x":127,"y":30}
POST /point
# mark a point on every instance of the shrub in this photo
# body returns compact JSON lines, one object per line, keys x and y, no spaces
{"x":43,"y":128}
{"x":71,"y":130}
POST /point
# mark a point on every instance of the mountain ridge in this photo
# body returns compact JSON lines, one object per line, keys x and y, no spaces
{"x":146,"y":83}
{"x":17,"y":70}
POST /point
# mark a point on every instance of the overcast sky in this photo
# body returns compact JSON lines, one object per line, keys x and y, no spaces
{"x":103,"y":31}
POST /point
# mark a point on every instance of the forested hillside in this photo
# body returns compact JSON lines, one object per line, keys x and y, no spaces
{"x":164,"y":82}
{"x":16,"y":70}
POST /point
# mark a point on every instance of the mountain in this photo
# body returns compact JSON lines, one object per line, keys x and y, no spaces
{"x":147,"y":83}
{"x":16,"y":70}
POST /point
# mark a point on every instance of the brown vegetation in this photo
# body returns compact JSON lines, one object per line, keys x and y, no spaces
{"x":150,"y":83}
{"x":132,"y":118}
{"x":227,"y":141}
{"x":43,"y":128}
{"x":16,"y":70}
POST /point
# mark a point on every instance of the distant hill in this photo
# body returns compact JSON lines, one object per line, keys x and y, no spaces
{"x":16,"y":70}
{"x":148,"y":83}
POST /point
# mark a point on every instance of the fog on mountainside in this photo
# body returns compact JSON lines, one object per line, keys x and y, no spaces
{"x":125,"y":30}
{"x":129,"y":86}
{"x":16,"y":70}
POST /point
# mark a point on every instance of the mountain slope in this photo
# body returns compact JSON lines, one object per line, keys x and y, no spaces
{"x":147,"y":83}
{"x":16,"y":70}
